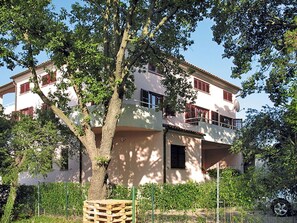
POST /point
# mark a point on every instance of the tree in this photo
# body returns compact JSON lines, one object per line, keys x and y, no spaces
{"x":268,"y":136}
{"x":105,"y":42}
{"x":260,"y":36}
{"x":25,"y":145}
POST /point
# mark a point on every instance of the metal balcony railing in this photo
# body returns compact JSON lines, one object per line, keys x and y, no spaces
{"x":235,"y":124}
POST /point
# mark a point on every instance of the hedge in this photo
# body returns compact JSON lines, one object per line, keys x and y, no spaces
{"x":67,"y":198}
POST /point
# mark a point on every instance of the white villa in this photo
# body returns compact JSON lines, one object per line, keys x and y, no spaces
{"x":149,"y":146}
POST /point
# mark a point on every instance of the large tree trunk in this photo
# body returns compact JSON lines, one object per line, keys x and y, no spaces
{"x":98,"y":189}
{"x":101,"y":157}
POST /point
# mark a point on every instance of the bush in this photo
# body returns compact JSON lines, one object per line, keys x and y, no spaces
{"x":24,"y":203}
{"x":53,"y":199}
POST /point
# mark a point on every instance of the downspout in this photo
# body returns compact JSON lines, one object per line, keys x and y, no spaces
{"x":165,"y":155}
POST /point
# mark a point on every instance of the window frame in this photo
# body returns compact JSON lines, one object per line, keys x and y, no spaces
{"x":201,"y":85}
{"x":48,"y":79}
{"x":25,"y":87}
{"x":226,"y":122}
{"x":227,"y":96}
{"x":64,"y":159}
{"x":193,"y":111}
{"x":152,"y":68}
{"x":177,"y":156}
{"x":146,"y":98}
{"x":27,"y":111}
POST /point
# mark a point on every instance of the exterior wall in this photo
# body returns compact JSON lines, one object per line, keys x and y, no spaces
{"x":57,"y":175}
{"x":138,"y":146}
{"x":137,"y":158}
{"x":28,"y":99}
{"x":193,"y":157}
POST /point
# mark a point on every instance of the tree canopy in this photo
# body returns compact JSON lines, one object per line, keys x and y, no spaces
{"x":260,"y":37}
{"x":26,"y":144}
{"x":98,"y":46}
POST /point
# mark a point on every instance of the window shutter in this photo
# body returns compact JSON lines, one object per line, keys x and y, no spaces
{"x":22,"y":88}
{"x":30,"y":111}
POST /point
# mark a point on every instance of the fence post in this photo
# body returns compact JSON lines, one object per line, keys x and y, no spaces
{"x":38,"y":199}
{"x":218,"y":193}
{"x":66,"y":188}
{"x":153,"y":203}
{"x":133,"y":204}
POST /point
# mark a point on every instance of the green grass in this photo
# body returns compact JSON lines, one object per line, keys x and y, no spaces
{"x":49,"y":219}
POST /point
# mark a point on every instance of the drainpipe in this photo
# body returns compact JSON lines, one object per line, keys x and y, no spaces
{"x":164,"y":155}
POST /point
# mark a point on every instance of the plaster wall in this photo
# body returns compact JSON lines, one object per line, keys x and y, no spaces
{"x":193,"y":158}
{"x":137,"y":158}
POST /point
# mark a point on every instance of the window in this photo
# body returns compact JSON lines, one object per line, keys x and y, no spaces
{"x":194,"y":114}
{"x":237,"y":123}
{"x":64,"y":159}
{"x":25,"y":87}
{"x":201,"y":85}
{"x":227,"y":96}
{"x":169,"y":111}
{"x":27,"y":111}
{"x":150,"y":99}
{"x":226,"y":121}
{"x":152,"y":68}
{"x":214,"y":118}
{"x":178,"y":156}
{"x":48,"y":78}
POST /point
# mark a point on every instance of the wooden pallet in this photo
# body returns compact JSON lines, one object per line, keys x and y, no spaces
{"x":101,"y":211}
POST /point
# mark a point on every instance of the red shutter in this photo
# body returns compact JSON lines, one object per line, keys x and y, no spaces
{"x":195,"y":83}
{"x":22,"y":88}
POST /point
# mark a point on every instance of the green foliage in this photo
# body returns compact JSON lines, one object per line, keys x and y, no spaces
{"x":240,"y":191}
{"x":269,"y":135}
{"x":48,"y":219}
{"x":54,"y":198}
{"x":190,"y":196}
{"x":26,"y":145}
{"x":260,"y":36}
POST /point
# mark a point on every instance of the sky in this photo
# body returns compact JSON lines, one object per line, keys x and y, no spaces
{"x":204,"y":53}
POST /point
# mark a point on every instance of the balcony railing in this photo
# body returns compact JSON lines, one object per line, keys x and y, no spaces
{"x":236,"y":123}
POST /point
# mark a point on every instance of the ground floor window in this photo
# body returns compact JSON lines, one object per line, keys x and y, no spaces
{"x":64,"y":159}
{"x":178,"y":156}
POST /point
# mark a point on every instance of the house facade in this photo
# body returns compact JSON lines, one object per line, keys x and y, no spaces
{"x":149,"y":146}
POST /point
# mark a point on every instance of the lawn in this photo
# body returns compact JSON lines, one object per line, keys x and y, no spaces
{"x":49,"y":219}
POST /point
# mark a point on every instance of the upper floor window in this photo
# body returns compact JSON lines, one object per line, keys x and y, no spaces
{"x":150,"y":99}
{"x":25,"y":87}
{"x":214,"y":118}
{"x":153,"y":68}
{"x":194,"y":114}
{"x":48,"y":78}
{"x":178,"y":156}
{"x":227,"y":96}
{"x":226,"y":122}
{"x":201,"y":85}
{"x":26,"y":111}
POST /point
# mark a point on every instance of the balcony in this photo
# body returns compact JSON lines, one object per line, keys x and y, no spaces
{"x":134,"y":117}
{"x":214,"y":130}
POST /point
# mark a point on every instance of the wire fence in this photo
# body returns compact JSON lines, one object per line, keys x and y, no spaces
{"x":66,"y":199}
